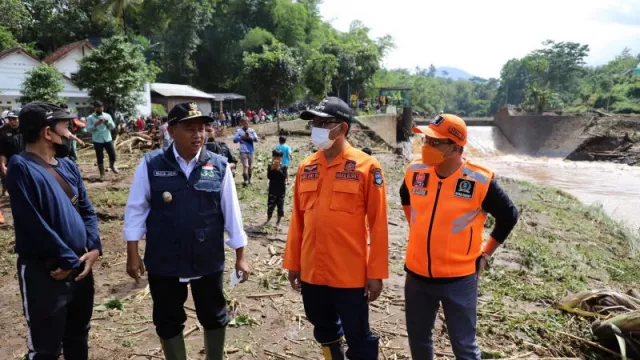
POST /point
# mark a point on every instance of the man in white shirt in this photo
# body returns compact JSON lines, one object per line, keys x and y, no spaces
{"x":184,"y":198}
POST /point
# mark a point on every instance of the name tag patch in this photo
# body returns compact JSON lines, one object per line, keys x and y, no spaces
{"x":420,"y":180}
{"x":348,"y":175}
{"x":420,"y":192}
{"x":159,"y":173}
{"x":465,"y":188}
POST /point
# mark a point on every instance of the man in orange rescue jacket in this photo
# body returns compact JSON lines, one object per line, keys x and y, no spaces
{"x":445,"y":199}
{"x":327,"y":255}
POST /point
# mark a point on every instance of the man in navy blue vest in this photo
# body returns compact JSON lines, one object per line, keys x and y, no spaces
{"x":184,"y":198}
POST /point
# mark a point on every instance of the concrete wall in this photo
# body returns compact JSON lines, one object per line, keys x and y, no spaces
{"x":384,"y":125}
{"x":271,"y":128}
{"x":543,"y":135}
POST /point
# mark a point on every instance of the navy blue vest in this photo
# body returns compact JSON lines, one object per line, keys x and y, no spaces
{"x":185,"y":227}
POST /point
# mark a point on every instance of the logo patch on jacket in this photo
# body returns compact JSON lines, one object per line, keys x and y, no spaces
{"x":159,"y":173}
{"x":207,"y":171}
{"x":377,"y":177}
{"x":465,"y":188}
{"x":350,"y":165}
{"x":310,"y":172}
{"x":420,"y":180}
{"x":311,"y":168}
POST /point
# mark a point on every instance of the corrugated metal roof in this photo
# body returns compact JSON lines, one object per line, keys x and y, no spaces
{"x":179,"y":90}
{"x":227,"y":96}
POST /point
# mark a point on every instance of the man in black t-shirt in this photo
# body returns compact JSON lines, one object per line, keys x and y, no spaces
{"x":219,"y":147}
{"x":10,"y":144}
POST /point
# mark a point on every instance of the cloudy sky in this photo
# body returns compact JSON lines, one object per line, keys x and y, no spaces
{"x":479,"y":36}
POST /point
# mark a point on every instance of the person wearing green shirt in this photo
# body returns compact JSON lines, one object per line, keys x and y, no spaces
{"x":100,"y":124}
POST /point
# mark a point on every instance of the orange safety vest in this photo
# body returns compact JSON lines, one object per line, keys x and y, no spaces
{"x":447,"y":220}
{"x":327,"y":239}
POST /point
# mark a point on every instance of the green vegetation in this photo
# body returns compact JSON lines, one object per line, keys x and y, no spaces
{"x":560,"y":246}
{"x":43,"y":83}
{"x":115,"y":73}
{"x":204,"y":43}
{"x":158,"y":110}
{"x":552,"y":78}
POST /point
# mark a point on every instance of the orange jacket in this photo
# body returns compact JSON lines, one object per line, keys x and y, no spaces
{"x":447,"y":220}
{"x":327,"y":240}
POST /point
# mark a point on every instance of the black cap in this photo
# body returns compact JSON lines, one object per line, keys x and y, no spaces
{"x":36,"y":115}
{"x":98,"y":103}
{"x":12,"y":114}
{"x":187,"y":111}
{"x":64,"y":106}
{"x":331,"y":107}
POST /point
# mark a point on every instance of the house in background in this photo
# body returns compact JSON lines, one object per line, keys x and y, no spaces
{"x":14,"y":65}
{"x":16,"y":62}
{"x":169,"y":95}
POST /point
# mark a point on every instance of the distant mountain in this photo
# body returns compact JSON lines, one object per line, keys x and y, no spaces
{"x":453,"y":73}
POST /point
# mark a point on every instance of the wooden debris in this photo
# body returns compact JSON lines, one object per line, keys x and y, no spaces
{"x":276,"y":355}
{"x":257,"y":296}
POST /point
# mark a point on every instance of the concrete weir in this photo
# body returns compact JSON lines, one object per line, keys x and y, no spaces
{"x":543,"y":135}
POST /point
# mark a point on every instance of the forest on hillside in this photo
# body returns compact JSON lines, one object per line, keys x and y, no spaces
{"x":282,"y":51}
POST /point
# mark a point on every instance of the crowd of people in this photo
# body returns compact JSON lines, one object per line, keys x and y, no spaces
{"x":183,"y":199}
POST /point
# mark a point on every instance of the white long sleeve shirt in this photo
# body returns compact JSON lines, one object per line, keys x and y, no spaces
{"x":138,"y":206}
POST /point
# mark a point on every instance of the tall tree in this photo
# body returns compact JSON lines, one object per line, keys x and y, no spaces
{"x":319,"y":72}
{"x":43,"y":83}
{"x":275,"y":73}
{"x":119,"y":9}
{"x":115,"y":73}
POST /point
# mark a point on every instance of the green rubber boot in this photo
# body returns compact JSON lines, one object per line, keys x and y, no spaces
{"x":214,"y":343}
{"x":174,"y":348}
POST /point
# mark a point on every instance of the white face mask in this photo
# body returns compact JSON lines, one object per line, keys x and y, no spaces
{"x":320,"y":137}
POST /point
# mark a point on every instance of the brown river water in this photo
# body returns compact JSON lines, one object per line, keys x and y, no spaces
{"x":615,"y":187}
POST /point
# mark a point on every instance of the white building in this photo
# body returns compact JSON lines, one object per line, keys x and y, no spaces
{"x":15,"y":63}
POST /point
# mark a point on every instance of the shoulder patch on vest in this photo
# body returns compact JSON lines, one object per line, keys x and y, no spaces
{"x":159,"y":173}
{"x":420,"y":180}
{"x":207,"y":171}
{"x":377,"y":177}
{"x":465,"y":188}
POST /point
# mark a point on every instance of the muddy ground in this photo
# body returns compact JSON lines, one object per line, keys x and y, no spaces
{"x":559,"y":246}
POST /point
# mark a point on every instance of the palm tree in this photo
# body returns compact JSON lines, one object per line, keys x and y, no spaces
{"x":119,"y":8}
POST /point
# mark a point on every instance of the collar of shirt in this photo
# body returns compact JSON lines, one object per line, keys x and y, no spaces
{"x":187,"y":168}
{"x":339,"y":159}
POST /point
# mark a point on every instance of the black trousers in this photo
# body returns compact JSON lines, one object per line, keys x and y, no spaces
{"x":275,"y":200}
{"x":100,"y":147}
{"x":338,"y":312}
{"x":169,"y":295}
{"x":58,"y":313}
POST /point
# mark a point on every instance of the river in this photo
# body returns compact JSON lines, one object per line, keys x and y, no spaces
{"x":615,"y":187}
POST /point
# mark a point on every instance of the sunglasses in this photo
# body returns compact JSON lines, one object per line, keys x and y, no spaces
{"x":436,"y":142}
{"x":322,"y":123}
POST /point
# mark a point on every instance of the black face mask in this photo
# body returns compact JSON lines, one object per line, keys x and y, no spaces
{"x":64,"y":149}
{"x":98,"y":112}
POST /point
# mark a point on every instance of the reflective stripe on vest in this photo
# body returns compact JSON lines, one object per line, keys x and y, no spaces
{"x":447,"y":220}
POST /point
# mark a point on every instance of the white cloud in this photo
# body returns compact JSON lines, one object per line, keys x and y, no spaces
{"x":480,"y":36}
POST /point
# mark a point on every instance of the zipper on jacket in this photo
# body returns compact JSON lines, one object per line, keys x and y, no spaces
{"x":470,"y":241}
{"x":433,"y":215}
